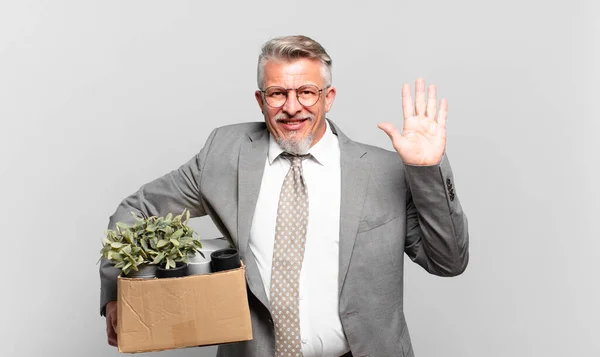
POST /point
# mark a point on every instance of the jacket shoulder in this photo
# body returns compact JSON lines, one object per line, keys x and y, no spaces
{"x":242,"y":128}
{"x":231,"y":136}
{"x":378,"y":154}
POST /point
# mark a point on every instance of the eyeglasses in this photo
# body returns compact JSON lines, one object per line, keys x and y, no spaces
{"x":308,"y":95}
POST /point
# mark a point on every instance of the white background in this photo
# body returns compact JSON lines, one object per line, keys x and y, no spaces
{"x":99,"y":97}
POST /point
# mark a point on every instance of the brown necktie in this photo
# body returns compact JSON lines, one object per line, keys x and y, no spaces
{"x":288,"y":254}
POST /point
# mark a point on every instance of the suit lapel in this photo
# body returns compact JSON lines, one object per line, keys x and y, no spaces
{"x":354,"y":181}
{"x":251,"y":165}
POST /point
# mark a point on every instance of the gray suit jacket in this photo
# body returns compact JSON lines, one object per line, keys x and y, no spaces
{"x":387,"y":209}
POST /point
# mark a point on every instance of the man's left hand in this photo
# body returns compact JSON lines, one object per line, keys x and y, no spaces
{"x":423,"y":139}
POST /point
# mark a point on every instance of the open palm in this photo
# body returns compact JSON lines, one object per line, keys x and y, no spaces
{"x":423,"y":138}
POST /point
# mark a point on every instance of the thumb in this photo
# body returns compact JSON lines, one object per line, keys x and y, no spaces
{"x":113,"y":321}
{"x":390,"y":130}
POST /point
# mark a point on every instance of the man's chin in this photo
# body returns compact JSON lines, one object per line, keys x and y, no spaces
{"x":295,"y":143}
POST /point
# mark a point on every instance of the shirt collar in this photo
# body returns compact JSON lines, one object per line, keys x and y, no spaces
{"x":322,"y":152}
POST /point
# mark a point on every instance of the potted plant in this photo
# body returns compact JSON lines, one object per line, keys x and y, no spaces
{"x":172,"y":244}
{"x":124,"y":248}
{"x":161,"y":245}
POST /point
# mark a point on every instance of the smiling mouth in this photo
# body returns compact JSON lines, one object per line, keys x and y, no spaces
{"x":292,"y":125}
{"x":291,"y":121}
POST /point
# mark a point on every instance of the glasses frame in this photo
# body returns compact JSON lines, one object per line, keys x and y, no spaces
{"x":287,"y":90}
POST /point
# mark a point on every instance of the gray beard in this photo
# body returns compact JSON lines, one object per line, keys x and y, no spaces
{"x":294,"y":146}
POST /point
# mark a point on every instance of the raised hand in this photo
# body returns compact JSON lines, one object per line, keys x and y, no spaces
{"x":423,"y":138}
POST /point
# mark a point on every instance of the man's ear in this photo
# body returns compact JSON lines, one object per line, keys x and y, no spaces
{"x":259,"y":100}
{"x":329,"y":98}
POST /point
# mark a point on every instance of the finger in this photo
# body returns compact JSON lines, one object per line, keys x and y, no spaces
{"x":442,"y":114}
{"x":420,"y":97}
{"x":114,"y":321}
{"x":390,"y":130}
{"x":111,"y":333}
{"x":407,"y":105}
{"x":112,"y":339}
{"x":431,"y":102}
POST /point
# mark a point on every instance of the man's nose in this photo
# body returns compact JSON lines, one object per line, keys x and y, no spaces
{"x":292,"y":105}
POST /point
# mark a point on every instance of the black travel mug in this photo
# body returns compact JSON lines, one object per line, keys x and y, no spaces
{"x":225,"y":259}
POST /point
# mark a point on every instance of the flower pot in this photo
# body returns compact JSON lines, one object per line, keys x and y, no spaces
{"x":225,"y":259}
{"x":145,"y":271}
{"x":199,"y":265}
{"x":179,"y":271}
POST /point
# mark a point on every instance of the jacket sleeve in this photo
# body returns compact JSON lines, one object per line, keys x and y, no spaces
{"x":171,"y":193}
{"x":437,"y":236}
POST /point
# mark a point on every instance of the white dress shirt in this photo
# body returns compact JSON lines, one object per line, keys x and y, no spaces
{"x":320,"y":326}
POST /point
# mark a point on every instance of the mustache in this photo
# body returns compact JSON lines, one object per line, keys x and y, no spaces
{"x":284,"y":116}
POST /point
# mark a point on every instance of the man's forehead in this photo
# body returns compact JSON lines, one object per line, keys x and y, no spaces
{"x":295,"y":70}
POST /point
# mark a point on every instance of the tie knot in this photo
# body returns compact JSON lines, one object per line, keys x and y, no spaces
{"x":296,"y":160}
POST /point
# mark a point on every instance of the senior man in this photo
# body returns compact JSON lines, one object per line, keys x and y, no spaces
{"x":322,"y":222}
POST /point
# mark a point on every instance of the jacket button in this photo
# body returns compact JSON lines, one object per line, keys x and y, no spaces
{"x":448,"y":181}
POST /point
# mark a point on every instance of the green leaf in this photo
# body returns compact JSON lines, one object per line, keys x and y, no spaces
{"x":128,"y":236}
{"x":186,"y":241}
{"x":116,"y":245}
{"x":177,"y":234}
{"x":175,"y":242}
{"x":158,"y":258}
{"x":170,"y":262}
{"x":162,"y":243}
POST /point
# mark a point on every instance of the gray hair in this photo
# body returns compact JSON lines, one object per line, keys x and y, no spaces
{"x":291,"y":48}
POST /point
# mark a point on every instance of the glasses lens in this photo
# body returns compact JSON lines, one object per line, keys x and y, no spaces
{"x":275,"y":96}
{"x":308,"y":95}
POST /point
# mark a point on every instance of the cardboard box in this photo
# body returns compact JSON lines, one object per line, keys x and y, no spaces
{"x":195,"y":310}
